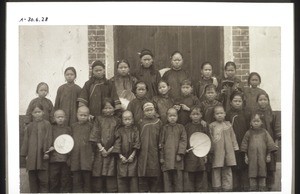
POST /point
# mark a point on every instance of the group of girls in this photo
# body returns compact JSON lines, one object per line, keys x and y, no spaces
{"x":143,"y":146}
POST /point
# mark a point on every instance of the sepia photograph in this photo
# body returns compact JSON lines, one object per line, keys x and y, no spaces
{"x":112,"y":107}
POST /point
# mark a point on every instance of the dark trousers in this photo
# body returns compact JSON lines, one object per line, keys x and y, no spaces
{"x":106,"y":184}
{"x":240,"y":180}
{"x":128,"y":185}
{"x":60,"y":179}
{"x":82,"y":181}
{"x":257,"y":184}
{"x":38,"y":181}
{"x":148,"y":184}
{"x":173,"y":181}
{"x":195,"y":181}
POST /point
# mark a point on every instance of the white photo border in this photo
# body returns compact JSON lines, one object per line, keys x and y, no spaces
{"x":150,"y":13}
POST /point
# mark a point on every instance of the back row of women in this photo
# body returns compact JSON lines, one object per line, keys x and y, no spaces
{"x":145,"y":148}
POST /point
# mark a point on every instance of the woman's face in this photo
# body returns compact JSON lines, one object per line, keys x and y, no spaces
{"x":207,"y":71}
{"x":254,"y":81}
{"x":141,"y":90}
{"x":123,"y":69}
{"x":263,"y":101}
{"x":147,"y":61}
{"x":176,"y":61}
{"x":98,"y":71}
{"x":230,"y":71}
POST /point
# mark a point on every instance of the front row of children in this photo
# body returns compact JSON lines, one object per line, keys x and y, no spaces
{"x":119,"y":156}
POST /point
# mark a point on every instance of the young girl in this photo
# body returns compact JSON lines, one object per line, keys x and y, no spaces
{"x":173,"y":143}
{"x":42,"y":90}
{"x":224,"y":145}
{"x":136,"y":105}
{"x":148,"y":156}
{"x":124,"y":82}
{"x":82,"y":156}
{"x":163,"y":101}
{"x":257,"y":146}
{"x":228,"y":84}
{"x":252,"y":91}
{"x":206,"y":78}
{"x":240,"y":121}
{"x":186,"y":101}
{"x":103,"y":135}
{"x":195,"y":177}
{"x":37,"y":140}
{"x":147,"y":72}
{"x":96,"y":89}
{"x":66,"y":97}
{"x":127,"y":145}
{"x":176,"y":74}
{"x":271,"y":122}
{"x":209,"y":103}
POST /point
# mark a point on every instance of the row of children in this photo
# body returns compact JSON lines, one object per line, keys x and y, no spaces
{"x":174,"y":93}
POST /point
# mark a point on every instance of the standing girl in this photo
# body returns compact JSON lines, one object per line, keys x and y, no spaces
{"x":37,"y":140}
{"x":66,"y":97}
{"x":96,"y":89}
{"x":240,"y":121}
{"x":42,"y":90}
{"x":252,"y":91}
{"x":257,"y":146}
{"x":124,"y":82}
{"x":136,"y":105}
{"x":176,"y":74}
{"x":147,"y":72}
{"x":271,"y":122}
{"x":206,"y":78}
{"x":163,"y":101}
{"x":228,"y":84}
{"x":224,"y":145}
{"x":103,"y":135}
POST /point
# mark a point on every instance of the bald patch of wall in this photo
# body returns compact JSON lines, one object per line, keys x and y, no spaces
{"x":44,"y":53}
{"x":265,"y":58}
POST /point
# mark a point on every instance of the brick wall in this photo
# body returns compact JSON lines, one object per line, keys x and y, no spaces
{"x":96,"y":43}
{"x":240,"y":48}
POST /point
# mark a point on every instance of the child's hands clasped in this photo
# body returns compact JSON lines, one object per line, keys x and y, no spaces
{"x":46,"y":157}
{"x":177,"y":107}
{"x":203,"y":123}
{"x":268,"y":158}
{"x":246,"y":159}
{"x":178,"y":158}
{"x":123,"y":159}
{"x":185,"y":107}
{"x":161,"y":161}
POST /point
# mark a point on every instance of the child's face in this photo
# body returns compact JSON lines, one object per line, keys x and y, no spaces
{"x":163,"y":88}
{"x":37,"y":114}
{"x":43,"y":91}
{"x":256,"y":122}
{"x":172,"y":116}
{"x":210,"y":94}
{"x":149,"y":112}
{"x":254,"y":81}
{"x":82,"y":115}
{"x":186,"y":90}
{"x":127,"y":119}
{"x":237,"y":102}
{"x":230,"y":71}
{"x":98,"y":72}
{"x":123,"y":69}
{"x":263,"y":101}
{"x":70,"y":76}
{"x":59,"y":117}
{"x":108,"y":109}
{"x":141,"y":90}
{"x":220,"y":114}
{"x":176,"y":61}
{"x":207,"y":71}
{"x":196,"y":116}
{"x":146,"y":61}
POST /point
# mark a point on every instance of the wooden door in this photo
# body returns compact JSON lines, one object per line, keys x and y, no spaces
{"x":197,"y":44}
